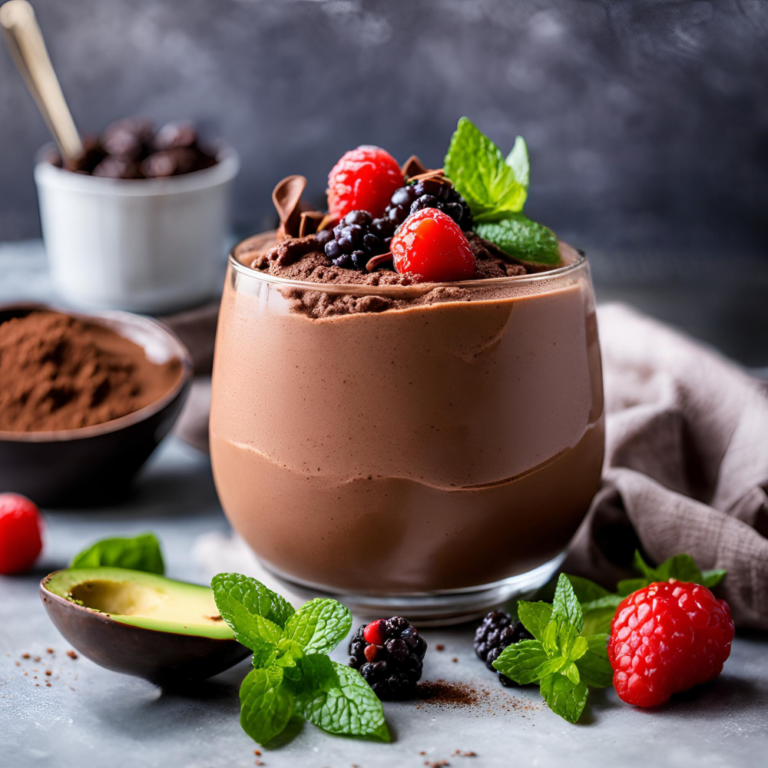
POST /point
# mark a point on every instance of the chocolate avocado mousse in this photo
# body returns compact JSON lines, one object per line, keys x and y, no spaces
{"x":377,"y":430}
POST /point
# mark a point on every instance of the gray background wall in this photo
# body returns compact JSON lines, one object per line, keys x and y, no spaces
{"x":647,"y":120}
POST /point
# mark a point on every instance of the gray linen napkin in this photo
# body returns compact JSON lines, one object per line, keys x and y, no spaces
{"x":686,"y":465}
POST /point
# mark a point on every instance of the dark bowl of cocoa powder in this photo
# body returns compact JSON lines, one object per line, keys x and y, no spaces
{"x":84,"y":400}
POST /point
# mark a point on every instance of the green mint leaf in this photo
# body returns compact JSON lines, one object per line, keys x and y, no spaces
{"x":344,"y":703}
{"x":682,"y":568}
{"x":564,"y":697}
{"x":586,"y":590}
{"x":315,"y":671}
{"x":266,"y":705}
{"x":319,"y":625}
{"x":642,"y":567}
{"x":550,"y":638}
{"x":713,"y":578}
{"x":571,"y":671}
{"x":598,"y":621}
{"x":535,"y":617}
{"x":241,"y":600}
{"x":140,"y":553}
{"x":566,"y":609}
{"x":577,"y":649}
{"x":594,"y":667}
{"x":478,"y":171}
{"x":522,"y":662}
{"x":522,"y":239}
{"x":518,"y":161}
{"x":627,"y":586}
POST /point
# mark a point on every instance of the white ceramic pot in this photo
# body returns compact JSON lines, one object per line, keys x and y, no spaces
{"x":145,"y":245}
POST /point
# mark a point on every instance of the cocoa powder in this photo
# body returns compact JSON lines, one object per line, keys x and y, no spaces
{"x":59,"y":372}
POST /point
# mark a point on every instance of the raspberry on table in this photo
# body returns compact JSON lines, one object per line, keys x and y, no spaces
{"x":667,"y":638}
{"x":495,"y":633}
{"x":431,"y":244}
{"x":388,"y":653}
{"x":364,"y":179}
{"x":20,"y":539}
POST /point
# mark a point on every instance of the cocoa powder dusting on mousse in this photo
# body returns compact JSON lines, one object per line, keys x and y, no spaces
{"x":60,"y":372}
{"x":302,"y":259}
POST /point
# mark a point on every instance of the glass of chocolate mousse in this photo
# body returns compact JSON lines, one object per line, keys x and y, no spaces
{"x":422,"y":445}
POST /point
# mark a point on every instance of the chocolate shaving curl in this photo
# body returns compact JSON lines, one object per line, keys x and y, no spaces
{"x":378,"y":260}
{"x":412,"y":167}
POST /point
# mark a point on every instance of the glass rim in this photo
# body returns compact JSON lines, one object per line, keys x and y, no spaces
{"x":579,"y":264}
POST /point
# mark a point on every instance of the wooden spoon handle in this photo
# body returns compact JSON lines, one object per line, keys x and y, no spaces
{"x":25,"y":41}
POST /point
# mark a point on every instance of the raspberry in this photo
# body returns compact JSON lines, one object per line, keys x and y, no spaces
{"x":431,"y":244}
{"x":429,"y":193}
{"x":667,"y":638}
{"x":494,"y":634}
{"x":389,"y":654}
{"x":363,"y":180}
{"x":20,"y":526}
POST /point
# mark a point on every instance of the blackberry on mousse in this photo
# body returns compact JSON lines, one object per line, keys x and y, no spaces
{"x":388,"y":653}
{"x":495,"y":633}
{"x":429,"y":193}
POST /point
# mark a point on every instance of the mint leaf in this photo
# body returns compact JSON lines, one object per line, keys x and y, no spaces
{"x":577,"y":649}
{"x":594,"y":667}
{"x":642,"y":567}
{"x":319,"y":625}
{"x":627,"y":586}
{"x":518,"y":161}
{"x":535,"y":617}
{"x":140,"y":553}
{"x":713,"y":578}
{"x":571,"y":671}
{"x":522,"y":662}
{"x":522,"y":239}
{"x":266,"y":705}
{"x":564,"y":697}
{"x":586,"y":590}
{"x":598,"y":620}
{"x":315,"y":671}
{"x":241,"y":600}
{"x":477,"y":169}
{"x":566,"y":609}
{"x":344,"y":703}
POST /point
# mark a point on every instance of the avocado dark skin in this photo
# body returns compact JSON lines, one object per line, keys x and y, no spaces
{"x":167,"y":659}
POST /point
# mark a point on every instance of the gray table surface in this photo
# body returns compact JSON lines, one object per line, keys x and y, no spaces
{"x":91,"y":717}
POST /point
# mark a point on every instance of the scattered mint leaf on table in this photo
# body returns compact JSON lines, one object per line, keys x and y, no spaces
{"x":292,"y":672}
{"x":599,"y":605}
{"x":139,"y":553}
{"x":562,"y":661}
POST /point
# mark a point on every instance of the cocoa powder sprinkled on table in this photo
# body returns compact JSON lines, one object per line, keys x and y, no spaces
{"x":444,"y":694}
{"x":72,"y":655}
{"x":440,"y":647}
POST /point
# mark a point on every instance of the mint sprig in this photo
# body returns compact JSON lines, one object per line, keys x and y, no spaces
{"x":599,"y":605}
{"x":496,"y":189}
{"x":564,"y":662}
{"x":292,"y":672}
{"x":137,"y":553}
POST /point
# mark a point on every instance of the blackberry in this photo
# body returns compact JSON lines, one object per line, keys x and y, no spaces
{"x":356,"y":240}
{"x":389,"y":653}
{"x":494,"y":634}
{"x":428,"y":193}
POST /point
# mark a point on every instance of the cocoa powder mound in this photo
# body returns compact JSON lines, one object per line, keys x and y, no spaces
{"x":59,"y":372}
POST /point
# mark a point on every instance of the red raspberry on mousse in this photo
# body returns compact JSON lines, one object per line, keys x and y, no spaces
{"x":431,"y":244}
{"x":364,"y":179}
{"x":667,"y":638}
{"x":20,"y":539}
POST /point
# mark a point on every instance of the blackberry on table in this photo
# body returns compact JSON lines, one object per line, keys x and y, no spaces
{"x":428,"y":193}
{"x":495,"y":633}
{"x":389,"y":654}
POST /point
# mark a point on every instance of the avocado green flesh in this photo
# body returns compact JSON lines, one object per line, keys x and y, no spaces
{"x":143,"y":600}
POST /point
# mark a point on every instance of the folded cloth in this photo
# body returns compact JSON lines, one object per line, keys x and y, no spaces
{"x":686,"y":466}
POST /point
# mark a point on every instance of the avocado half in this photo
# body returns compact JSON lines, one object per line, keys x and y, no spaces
{"x":141,"y":624}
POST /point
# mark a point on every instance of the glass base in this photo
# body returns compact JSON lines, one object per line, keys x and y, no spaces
{"x":432,"y":609}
